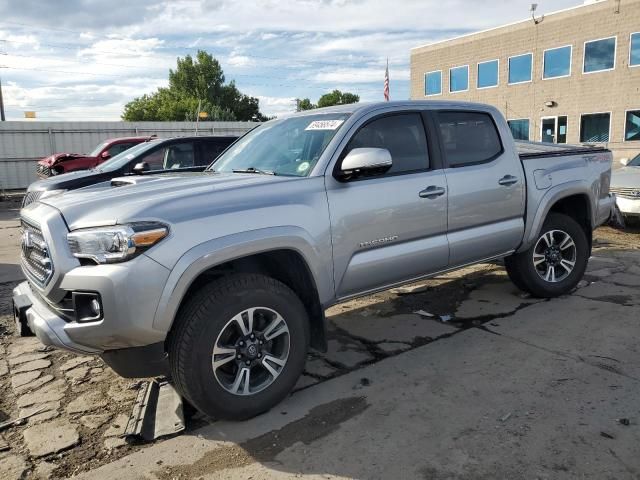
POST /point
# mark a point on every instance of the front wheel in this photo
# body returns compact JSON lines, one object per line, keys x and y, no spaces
{"x":555,"y":263}
{"x":239,"y":345}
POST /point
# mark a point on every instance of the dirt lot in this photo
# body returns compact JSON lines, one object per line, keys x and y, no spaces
{"x":83,"y":407}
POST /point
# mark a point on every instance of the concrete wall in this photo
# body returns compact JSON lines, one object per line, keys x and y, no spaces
{"x":612,"y":91}
{"x":22,"y":144}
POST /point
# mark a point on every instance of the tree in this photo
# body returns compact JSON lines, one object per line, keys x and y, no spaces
{"x":337,"y":98}
{"x":327,"y":100}
{"x":304,"y":104}
{"x":192,"y":83}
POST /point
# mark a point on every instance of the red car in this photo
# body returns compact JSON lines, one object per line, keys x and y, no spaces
{"x":69,"y":162}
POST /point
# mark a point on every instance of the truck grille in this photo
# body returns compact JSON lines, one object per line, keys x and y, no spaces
{"x":31,"y":197}
{"x":43,"y":171}
{"x":633,"y":193}
{"x":36,"y":261}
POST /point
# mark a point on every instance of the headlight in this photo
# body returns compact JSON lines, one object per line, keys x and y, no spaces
{"x":51,"y":193}
{"x":115,"y":244}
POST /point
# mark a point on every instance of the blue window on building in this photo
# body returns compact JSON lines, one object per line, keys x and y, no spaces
{"x":433,"y":83}
{"x":599,"y":55}
{"x":632,"y":125}
{"x":459,"y":79}
{"x":557,"y":62}
{"x":519,"y":129}
{"x":634,"y":55}
{"x":520,"y":68}
{"x":488,"y":74}
{"x":594,"y":127}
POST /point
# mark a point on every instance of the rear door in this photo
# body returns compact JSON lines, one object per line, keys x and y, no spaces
{"x":389,"y":227}
{"x":486,"y":187}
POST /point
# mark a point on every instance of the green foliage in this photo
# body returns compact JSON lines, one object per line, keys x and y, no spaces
{"x":327,"y":100}
{"x":200,"y":80}
{"x":337,"y":98}
{"x":304,"y":104}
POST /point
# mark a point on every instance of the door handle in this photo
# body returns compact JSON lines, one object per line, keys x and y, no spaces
{"x":508,"y":180}
{"x":432,"y":191}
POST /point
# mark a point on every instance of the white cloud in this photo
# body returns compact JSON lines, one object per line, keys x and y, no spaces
{"x":274,"y":106}
{"x":83,"y":60}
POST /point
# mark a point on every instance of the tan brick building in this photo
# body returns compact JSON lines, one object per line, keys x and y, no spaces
{"x":572,"y":77}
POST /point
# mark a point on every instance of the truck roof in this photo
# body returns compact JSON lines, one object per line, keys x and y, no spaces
{"x":364,"y":107}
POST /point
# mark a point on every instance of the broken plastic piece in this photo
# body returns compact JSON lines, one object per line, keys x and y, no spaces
{"x":158,"y":412}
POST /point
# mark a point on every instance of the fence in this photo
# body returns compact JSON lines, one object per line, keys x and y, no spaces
{"x":22,"y":144}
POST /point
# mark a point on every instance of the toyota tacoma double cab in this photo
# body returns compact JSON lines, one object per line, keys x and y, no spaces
{"x":221,"y":278}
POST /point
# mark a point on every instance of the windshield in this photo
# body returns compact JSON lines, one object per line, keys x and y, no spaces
{"x":125,"y":157}
{"x":290,"y":146}
{"x":98,"y":149}
{"x":635,"y":161}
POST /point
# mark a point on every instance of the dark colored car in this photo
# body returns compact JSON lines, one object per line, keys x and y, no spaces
{"x":59,"y":163}
{"x":191,"y":154}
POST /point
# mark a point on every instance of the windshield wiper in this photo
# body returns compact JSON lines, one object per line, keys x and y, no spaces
{"x":253,"y":170}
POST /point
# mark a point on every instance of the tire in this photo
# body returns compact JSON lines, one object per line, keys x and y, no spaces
{"x":560,"y":253}
{"x":514,"y":274}
{"x":275,"y":355}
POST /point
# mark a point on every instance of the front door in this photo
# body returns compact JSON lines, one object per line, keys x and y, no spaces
{"x":554,"y":129}
{"x":549,"y":130}
{"x":390,"y":227}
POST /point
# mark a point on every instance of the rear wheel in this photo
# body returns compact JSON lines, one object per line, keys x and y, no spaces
{"x":239,"y":346}
{"x":555,"y":263}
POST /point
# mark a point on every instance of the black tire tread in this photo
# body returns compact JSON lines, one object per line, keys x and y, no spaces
{"x":520,"y":272}
{"x":192,"y":312}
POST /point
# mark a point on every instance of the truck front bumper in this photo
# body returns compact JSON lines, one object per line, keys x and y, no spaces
{"x":32,"y":311}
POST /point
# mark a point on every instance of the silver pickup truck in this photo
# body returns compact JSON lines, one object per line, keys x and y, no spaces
{"x":221,"y":278}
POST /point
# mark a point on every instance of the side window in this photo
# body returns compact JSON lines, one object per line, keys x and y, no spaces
{"x":154,"y":159}
{"x":468,"y":137}
{"x":403,"y":135}
{"x":210,"y":151}
{"x":119,"y":148}
{"x":179,"y":155}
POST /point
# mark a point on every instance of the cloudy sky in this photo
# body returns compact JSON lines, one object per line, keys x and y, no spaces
{"x":84,"y":59}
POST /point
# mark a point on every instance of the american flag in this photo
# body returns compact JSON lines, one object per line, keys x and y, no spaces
{"x":386,"y":82}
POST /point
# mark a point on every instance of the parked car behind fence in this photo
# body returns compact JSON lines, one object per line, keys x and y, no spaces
{"x":151,"y":157}
{"x":59,"y":163}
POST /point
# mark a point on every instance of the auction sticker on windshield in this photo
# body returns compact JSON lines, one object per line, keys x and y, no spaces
{"x":324,"y":124}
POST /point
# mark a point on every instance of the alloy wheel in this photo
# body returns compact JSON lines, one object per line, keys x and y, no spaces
{"x":251,"y":351}
{"x":554,"y":256}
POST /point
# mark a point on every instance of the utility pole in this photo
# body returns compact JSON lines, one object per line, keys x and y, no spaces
{"x":2,"y":119}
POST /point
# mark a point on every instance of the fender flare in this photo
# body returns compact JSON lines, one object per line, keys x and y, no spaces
{"x":550,"y":198}
{"x":215,"y":252}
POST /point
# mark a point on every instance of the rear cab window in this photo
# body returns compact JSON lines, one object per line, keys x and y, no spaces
{"x":468,"y":138}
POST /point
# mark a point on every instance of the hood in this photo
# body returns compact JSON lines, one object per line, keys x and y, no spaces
{"x":167,"y":197}
{"x":57,"y":158}
{"x":70,"y":181}
{"x":626,"y":177}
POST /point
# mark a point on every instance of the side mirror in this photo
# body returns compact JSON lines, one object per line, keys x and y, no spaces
{"x":624,"y":161}
{"x":366,"y":160}
{"x":141,"y":167}
{"x":104,"y":155}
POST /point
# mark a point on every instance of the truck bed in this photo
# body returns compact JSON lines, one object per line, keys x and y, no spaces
{"x":528,"y":150}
